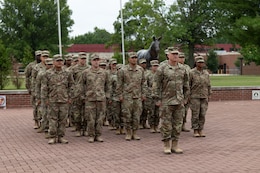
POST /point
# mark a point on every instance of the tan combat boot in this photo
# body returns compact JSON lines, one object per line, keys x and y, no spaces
{"x":47,"y":135}
{"x":128,"y":135}
{"x":78,"y":133}
{"x":167,"y":147}
{"x":122,"y":130}
{"x":152,"y":130}
{"x":52,"y":141}
{"x":184,"y":128}
{"x":175,"y":148}
{"x":99,"y":139}
{"x":118,"y":131}
{"x":201,"y":134}
{"x":62,"y":140}
{"x":196,"y":133}
{"x":91,"y":139}
{"x":40,"y":130}
{"x":36,"y":124}
{"x":134,"y":136}
{"x":157,"y":130}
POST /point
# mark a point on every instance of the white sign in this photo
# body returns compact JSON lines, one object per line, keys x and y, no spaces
{"x":2,"y":101}
{"x":255,"y":94}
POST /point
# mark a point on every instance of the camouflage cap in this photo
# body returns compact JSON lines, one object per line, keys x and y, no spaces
{"x":38,"y":52}
{"x":173,"y":50}
{"x":103,"y":62}
{"x":45,"y":53}
{"x":94,"y":56}
{"x":166,"y":51}
{"x":132,"y":54}
{"x":75,"y":57}
{"x":82,"y":55}
{"x":199,"y":59}
{"x":49,"y":61}
{"x":181,"y":55}
{"x":57,"y":57}
{"x":119,"y":66}
{"x":112,"y":61}
{"x":154,"y":63}
{"x":68,"y":57}
{"x":141,"y":61}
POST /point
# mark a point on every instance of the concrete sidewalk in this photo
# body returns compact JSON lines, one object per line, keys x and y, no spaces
{"x":232,"y":145}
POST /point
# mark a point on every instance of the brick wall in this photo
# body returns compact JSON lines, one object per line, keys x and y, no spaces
{"x":19,"y":99}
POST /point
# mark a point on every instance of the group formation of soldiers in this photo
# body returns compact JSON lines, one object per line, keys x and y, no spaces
{"x":70,"y":92}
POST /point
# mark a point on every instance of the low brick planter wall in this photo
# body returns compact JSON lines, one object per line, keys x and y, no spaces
{"x":21,"y":98}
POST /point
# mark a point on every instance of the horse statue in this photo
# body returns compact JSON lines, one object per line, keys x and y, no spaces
{"x":152,"y":53}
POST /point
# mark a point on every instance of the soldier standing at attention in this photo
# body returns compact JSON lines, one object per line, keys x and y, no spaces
{"x":78,"y":103}
{"x":28,"y":85}
{"x":131,"y":92}
{"x":94,"y":86}
{"x":171,"y":90}
{"x":56,"y":93}
{"x":35,"y":71}
{"x":187,"y":67}
{"x":200,"y":92}
{"x":68,"y":61}
{"x":153,"y":115}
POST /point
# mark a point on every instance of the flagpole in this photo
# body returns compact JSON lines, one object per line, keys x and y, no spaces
{"x":122,"y":32}
{"x":59,"y":27}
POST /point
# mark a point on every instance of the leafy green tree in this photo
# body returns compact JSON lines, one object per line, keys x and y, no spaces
{"x":99,"y":36}
{"x":33,"y":23}
{"x":5,"y":66}
{"x":193,"y":22}
{"x":212,"y":61}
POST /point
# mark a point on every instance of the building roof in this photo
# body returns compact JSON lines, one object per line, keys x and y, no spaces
{"x":89,"y":48}
{"x":226,"y":47}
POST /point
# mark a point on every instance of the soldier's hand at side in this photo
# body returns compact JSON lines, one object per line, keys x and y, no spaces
{"x":158,"y":103}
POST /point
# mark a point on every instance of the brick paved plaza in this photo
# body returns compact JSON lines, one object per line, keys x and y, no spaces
{"x":232,"y":145}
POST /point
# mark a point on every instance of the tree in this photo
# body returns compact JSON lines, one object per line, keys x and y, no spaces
{"x":212,"y":61}
{"x":142,"y":20}
{"x":5,"y":66}
{"x":241,"y":25}
{"x":99,"y":36}
{"x":193,"y":22}
{"x":33,"y":24}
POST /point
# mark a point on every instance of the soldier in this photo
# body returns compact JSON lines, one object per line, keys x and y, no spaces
{"x":35,"y":71}
{"x":200,"y":92}
{"x":131,"y":92}
{"x":103,"y":64}
{"x":94,"y":86}
{"x":56,"y":94}
{"x":68,"y":60}
{"x":42,"y":108}
{"x":78,"y":104}
{"x":187,"y":67}
{"x":171,"y":90}
{"x":28,"y":85}
{"x":147,"y":103}
{"x":153,"y":114}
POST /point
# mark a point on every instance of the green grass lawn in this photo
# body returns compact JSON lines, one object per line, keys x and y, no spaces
{"x":215,"y":81}
{"x":235,"y":80}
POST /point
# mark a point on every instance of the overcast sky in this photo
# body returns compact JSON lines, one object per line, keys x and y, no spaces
{"x":88,"y":14}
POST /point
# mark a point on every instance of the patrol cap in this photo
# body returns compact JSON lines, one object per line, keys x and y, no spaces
{"x":173,"y":50}
{"x":103,"y":62}
{"x":38,"y":52}
{"x":75,"y":57}
{"x":57,"y":57}
{"x":181,"y":55}
{"x":68,"y":57}
{"x":154,"y":63}
{"x":94,"y":56}
{"x":119,"y":66}
{"x":49,"y":61}
{"x":166,"y":51}
{"x":132,"y":54}
{"x":141,"y":61}
{"x":112,"y":61}
{"x":45,"y":53}
{"x":82,"y":55}
{"x":199,"y":59}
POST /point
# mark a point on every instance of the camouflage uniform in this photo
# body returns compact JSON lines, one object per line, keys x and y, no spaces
{"x":171,"y":86}
{"x":131,"y":87}
{"x":56,"y":93}
{"x":93,"y":86}
{"x":200,"y":92}
{"x":78,"y":104}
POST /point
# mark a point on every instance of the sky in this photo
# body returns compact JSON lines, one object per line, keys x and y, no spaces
{"x":88,"y":14}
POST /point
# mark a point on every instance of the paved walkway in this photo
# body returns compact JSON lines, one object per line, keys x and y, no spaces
{"x":232,"y":145}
